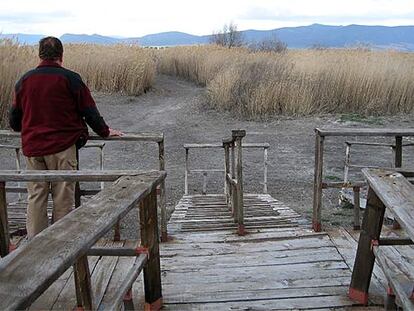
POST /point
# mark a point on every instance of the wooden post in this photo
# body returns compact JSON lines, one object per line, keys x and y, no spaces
{"x":18,"y":167}
{"x":4,"y":222}
{"x":163,"y":205}
{"x":234,"y":203}
{"x":227,"y":186}
{"x":398,"y":163}
{"x":317,"y":184}
{"x":398,"y":151}
{"x":365,"y":258}
{"x":84,"y":297}
{"x":204,"y":192}
{"x":237,"y":136}
{"x":101,"y":163}
{"x":233,"y":176}
{"x":149,"y":240}
{"x":357,"y":225}
{"x":82,"y":275}
{"x":186,"y":172}
{"x":265,"y":170}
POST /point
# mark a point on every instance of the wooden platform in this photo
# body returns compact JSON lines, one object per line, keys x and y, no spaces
{"x":280,"y":264}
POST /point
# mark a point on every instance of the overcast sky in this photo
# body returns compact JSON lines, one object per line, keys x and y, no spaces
{"x":137,"y":18}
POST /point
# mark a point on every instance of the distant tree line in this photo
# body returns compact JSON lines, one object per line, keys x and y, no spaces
{"x":230,"y":37}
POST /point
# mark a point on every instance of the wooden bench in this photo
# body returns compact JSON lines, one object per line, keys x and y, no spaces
{"x":29,"y":271}
{"x":387,"y":190}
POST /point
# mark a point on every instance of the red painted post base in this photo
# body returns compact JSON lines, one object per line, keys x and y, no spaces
{"x":128,"y":295}
{"x":396,"y":225}
{"x":241,"y":230}
{"x":358,"y":295}
{"x":164,"y":237}
{"x":317,"y":227}
{"x":12,"y":247}
{"x":155,"y":306}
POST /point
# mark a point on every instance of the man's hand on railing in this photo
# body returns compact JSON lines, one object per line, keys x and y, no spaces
{"x":116,"y":133}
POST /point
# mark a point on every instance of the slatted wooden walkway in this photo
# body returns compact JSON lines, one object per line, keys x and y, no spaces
{"x":280,"y":264}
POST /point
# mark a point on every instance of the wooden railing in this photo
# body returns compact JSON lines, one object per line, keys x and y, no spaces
{"x":130,"y":137}
{"x":388,"y":190}
{"x":28,"y":271}
{"x":320,"y":184}
{"x":220,"y":170}
{"x":234,"y":177}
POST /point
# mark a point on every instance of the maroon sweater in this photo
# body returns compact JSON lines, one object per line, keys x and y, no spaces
{"x":50,"y":107}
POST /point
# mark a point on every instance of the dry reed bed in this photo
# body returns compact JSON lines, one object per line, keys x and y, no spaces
{"x":127,"y":69}
{"x":297,"y":82}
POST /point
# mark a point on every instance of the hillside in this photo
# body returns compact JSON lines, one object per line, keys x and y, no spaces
{"x":381,"y":37}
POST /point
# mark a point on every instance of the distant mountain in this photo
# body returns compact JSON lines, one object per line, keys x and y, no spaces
{"x":168,"y":39}
{"x":95,"y":39}
{"x":381,"y":37}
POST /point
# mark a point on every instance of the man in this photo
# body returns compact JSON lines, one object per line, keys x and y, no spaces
{"x":50,"y":107}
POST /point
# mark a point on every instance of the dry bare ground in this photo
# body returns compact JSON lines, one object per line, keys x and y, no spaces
{"x":179,"y":109}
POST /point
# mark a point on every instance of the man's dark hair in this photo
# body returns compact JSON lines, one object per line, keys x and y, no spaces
{"x":50,"y":48}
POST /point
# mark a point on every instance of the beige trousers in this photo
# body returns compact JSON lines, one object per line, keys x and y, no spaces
{"x":63,"y":193}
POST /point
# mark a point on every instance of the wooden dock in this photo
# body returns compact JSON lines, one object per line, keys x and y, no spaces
{"x":280,"y":264}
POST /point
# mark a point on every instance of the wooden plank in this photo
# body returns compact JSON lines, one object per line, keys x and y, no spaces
{"x":63,"y":296}
{"x":258,"y":274}
{"x":396,"y":193}
{"x":255,"y":294}
{"x":365,"y":132}
{"x":219,"y":146}
{"x":347,"y":244}
{"x":154,"y":137}
{"x":83,"y":175}
{"x":301,"y":303}
{"x":58,"y":246}
{"x":125,"y":272}
{"x":102,"y":274}
{"x":399,"y":272}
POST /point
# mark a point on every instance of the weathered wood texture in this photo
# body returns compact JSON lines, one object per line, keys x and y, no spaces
{"x":321,"y":134}
{"x":52,"y":176}
{"x":154,"y":137}
{"x":149,"y":240}
{"x":364,"y":132}
{"x":391,"y":190}
{"x":396,"y":193}
{"x":278,"y":265}
{"x":57,"y":247}
{"x":210,"y":213}
{"x":4,"y":223}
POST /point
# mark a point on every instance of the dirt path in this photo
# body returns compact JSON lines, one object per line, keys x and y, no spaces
{"x":178,"y":108}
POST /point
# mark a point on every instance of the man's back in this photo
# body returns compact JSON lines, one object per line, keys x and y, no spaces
{"x":53,"y":102}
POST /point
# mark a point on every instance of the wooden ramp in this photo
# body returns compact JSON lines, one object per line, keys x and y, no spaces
{"x":280,"y":264}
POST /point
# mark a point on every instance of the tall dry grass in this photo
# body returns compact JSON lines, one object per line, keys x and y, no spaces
{"x":127,"y":69}
{"x":297,"y":82}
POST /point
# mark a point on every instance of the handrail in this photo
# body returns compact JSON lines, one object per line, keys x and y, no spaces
{"x":187,"y":172}
{"x":68,"y":241}
{"x":234,"y":180}
{"x":320,"y":184}
{"x":131,"y":137}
